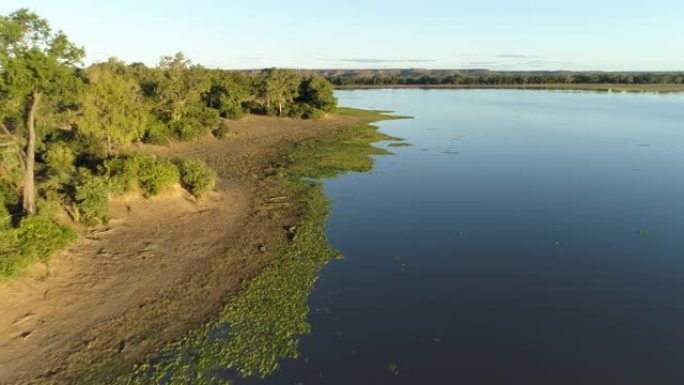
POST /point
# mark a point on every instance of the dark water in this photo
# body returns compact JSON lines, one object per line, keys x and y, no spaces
{"x":527,"y":237}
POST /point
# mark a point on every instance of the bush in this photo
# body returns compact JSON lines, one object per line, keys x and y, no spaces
{"x":5,"y":216}
{"x":157,"y":132}
{"x":305,"y":111}
{"x":314,"y":113}
{"x":233,"y":112}
{"x":139,"y":171}
{"x":156,"y":176}
{"x":221,"y":131}
{"x":196,"y":176}
{"x":122,"y":173}
{"x":59,"y":159}
{"x":92,"y":201}
{"x":8,"y":192}
{"x":36,"y":238}
{"x":195,"y":123}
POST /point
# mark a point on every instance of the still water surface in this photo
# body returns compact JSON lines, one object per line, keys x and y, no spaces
{"x":527,"y":237}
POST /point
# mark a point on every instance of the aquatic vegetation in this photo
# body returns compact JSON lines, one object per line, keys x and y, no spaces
{"x":260,"y":325}
{"x":399,"y":144}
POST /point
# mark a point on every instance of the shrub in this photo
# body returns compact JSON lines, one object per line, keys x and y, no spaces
{"x":233,"y":112}
{"x":8,"y":192}
{"x":5,"y":216}
{"x":314,"y":113}
{"x":122,"y":173}
{"x":36,"y":238}
{"x":92,"y":201}
{"x":139,"y":170}
{"x":305,"y":111}
{"x":196,"y":176}
{"x":157,"y":132}
{"x":156,"y":176}
{"x":194,"y":124}
{"x":59,"y":159}
{"x":221,"y":130}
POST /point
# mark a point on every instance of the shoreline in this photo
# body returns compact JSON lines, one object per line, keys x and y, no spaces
{"x":164,"y":267}
{"x":650,"y":88}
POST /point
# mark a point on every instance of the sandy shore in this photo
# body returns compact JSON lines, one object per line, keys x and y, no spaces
{"x":161,"y":267}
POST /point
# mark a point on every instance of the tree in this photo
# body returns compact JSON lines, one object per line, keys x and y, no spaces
{"x":34,"y":62}
{"x":228,"y":92}
{"x":112,"y":109}
{"x":318,"y":93}
{"x":280,"y":87}
{"x":180,"y":86}
{"x":178,"y":97}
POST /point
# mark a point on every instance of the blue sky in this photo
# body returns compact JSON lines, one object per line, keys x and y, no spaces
{"x":495,"y":34}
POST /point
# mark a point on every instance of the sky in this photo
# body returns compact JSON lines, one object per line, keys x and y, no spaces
{"x":608,"y":35}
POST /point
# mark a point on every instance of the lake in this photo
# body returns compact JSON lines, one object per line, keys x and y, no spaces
{"x":526,"y":237}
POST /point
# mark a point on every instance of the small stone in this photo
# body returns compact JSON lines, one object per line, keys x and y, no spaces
{"x":262,"y":248}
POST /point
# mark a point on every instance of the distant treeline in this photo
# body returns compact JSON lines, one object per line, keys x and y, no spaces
{"x":66,"y":130}
{"x":489,"y":78}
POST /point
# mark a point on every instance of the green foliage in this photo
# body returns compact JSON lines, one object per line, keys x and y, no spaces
{"x":8,"y":192}
{"x":278,"y":88}
{"x":5,"y":216}
{"x":399,"y":144}
{"x":228,"y":93}
{"x":37,"y":80}
{"x":112,"y":111}
{"x":155,"y":176}
{"x":36,"y":239}
{"x":92,"y":200}
{"x":143,"y":171}
{"x":317,"y":92}
{"x":157,"y":132}
{"x":487,"y":78}
{"x":59,"y":159}
{"x":195,"y":123}
{"x":10,"y":163}
{"x":305,"y":111}
{"x":195,"y":176}
{"x":221,"y":130}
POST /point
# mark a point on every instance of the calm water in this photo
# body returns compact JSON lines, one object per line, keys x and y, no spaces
{"x":527,"y":237}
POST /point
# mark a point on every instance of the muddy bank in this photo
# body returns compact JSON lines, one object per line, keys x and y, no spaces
{"x":162,"y":267}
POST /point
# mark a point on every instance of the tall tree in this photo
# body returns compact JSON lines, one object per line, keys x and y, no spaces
{"x":180,"y":86}
{"x":34,"y":62}
{"x":279,"y":86}
{"x":318,"y":93}
{"x":112,"y":109}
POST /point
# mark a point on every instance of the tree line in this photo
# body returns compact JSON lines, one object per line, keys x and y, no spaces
{"x":66,"y":129}
{"x":493,"y":78}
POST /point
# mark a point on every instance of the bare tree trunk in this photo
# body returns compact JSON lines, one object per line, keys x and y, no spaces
{"x":280,"y":108}
{"x":109,"y":145}
{"x":29,"y":178}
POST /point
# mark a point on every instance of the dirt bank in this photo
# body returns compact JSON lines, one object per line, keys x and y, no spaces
{"x":161,"y":267}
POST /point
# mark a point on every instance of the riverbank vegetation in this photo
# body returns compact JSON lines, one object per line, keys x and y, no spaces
{"x":261,"y":324}
{"x":628,"y":81}
{"x":70,"y":136}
